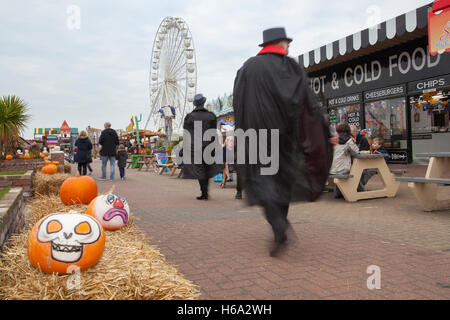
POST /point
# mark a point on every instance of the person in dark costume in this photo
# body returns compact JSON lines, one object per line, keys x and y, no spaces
{"x":84,"y":147}
{"x":201,"y":171}
{"x":271,"y":91}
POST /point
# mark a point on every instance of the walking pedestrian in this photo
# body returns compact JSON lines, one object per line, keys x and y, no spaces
{"x":122,"y":157}
{"x":202,"y":171}
{"x":109,"y":141}
{"x":84,"y":146}
{"x":271,"y":91}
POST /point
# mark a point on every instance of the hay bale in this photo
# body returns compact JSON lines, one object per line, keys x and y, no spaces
{"x":67,"y":168}
{"x":48,"y":184}
{"x":130,"y":267}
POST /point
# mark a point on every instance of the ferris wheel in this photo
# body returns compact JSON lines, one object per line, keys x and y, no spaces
{"x":173,"y":74}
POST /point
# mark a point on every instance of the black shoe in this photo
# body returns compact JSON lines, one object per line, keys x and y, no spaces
{"x":278,"y":248}
{"x":203,"y":197}
{"x":238,"y":195}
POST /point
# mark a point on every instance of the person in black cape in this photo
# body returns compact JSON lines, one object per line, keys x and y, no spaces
{"x":271,"y":91}
{"x":201,"y":171}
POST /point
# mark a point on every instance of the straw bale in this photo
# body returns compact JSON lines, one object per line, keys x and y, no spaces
{"x":130,"y":267}
{"x":47,"y":184}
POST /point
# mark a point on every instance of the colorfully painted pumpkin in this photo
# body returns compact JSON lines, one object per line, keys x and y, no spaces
{"x":78,"y":190}
{"x":8,"y":157}
{"x":49,"y":169}
{"x":60,"y":241}
{"x":112,"y":211}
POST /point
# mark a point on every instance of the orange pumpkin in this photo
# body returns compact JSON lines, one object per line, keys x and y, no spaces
{"x":78,"y":190}
{"x":9,"y":157}
{"x":49,"y":169}
{"x":112,"y":211}
{"x":26,"y":156}
{"x":47,"y":162}
{"x":55,"y":162}
{"x":62,"y":242}
{"x":42,"y":156}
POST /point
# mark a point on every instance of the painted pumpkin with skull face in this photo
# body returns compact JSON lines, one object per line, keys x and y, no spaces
{"x":112,"y":211}
{"x":61,"y":241}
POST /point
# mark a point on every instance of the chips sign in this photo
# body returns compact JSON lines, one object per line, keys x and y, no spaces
{"x":439,"y":27}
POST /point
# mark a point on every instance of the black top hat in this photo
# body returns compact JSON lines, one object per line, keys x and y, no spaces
{"x":199,"y":100}
{"x":274,"y":34}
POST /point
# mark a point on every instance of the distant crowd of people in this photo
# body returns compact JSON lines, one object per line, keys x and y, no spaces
{"x":110,"y":151}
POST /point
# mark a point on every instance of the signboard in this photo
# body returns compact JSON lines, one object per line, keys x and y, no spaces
{"x":398,"y":156}
{"x":386,"y":68}
{"x":64,"y":127}
{"x":353,"y":118}
{"x":346,"y":100}
{"x":381,"y":94}
{"x":428,"y":85}
{"x":417,"y":136}
{"x":439,"y":28}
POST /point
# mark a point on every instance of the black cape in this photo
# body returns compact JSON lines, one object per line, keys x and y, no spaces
{"x":271,"y":91}
{"x":209,"y":121}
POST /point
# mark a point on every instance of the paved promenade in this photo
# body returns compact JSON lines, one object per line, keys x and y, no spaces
{"x":223,"y":245}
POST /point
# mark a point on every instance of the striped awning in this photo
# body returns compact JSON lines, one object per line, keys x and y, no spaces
{"x":387,"y":30}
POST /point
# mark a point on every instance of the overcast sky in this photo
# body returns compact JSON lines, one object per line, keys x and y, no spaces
{"x":100,"y":72}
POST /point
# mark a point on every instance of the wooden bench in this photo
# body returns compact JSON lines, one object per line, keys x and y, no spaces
{"x":161,"y":167}
{"x":425,"y":190}
{"x":330,"y":181}
{"x":439,"y":181}
{"x":142,"y":163}
{"x":129,"y":162}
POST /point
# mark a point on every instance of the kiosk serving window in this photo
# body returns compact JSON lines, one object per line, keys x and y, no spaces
{"x":430,"y":112}
{"x":387,"y":118}
{"x":346,"y":109}
{"x":347,"y":114}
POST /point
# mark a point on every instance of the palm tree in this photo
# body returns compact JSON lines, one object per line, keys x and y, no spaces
{"x":13,"y":116}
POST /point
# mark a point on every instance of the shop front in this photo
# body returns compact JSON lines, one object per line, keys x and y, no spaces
{"x":387,"y":85}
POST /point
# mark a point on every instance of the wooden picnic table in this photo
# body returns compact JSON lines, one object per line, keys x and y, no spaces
{"x":170,"y":164}
{"x":348,"y":184}
{"x":425,"y":189}
{"x":137,"y":161}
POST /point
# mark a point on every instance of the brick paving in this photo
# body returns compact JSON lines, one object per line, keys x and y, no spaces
{"x":222,"y":245}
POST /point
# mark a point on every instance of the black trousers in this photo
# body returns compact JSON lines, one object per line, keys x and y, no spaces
{"x":239,"y":184}
{"x":82,"y":169}
{"x":276,"y":215}
{"x":204,"y":186}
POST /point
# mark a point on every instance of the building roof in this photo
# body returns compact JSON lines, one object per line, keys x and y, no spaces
{"x":401,"y":29}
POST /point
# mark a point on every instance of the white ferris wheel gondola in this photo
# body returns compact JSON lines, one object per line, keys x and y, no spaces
{"x":173,"y":73}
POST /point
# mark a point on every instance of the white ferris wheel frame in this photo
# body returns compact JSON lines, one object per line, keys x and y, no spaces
{"x":173,"y":71}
